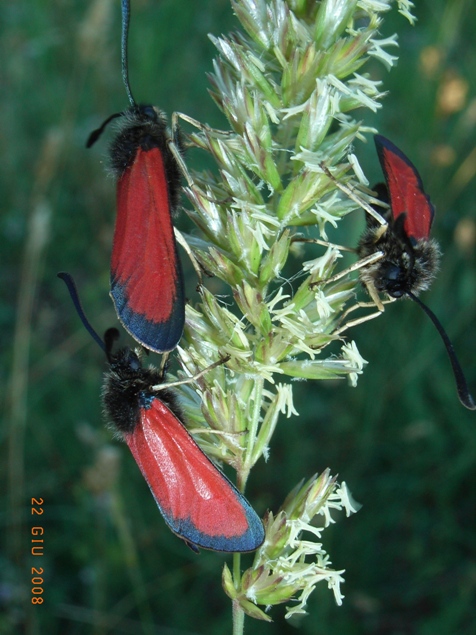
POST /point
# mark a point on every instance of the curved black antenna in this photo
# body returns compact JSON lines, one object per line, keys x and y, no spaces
{"x":126,"y":16}
{"x":461,"y":385}
{"x":110,"y":337}
{"x":73,"y":292}
{"x":95,"y":134}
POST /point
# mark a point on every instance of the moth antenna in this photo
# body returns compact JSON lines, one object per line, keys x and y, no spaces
{"x":73,"y":292}
{"x":126,"y":16}
{"x":95,"y":134}
{"x":461,"y":385}
{"x":110,"y":336}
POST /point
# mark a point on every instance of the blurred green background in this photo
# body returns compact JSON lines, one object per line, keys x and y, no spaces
{"x":401,"y":440}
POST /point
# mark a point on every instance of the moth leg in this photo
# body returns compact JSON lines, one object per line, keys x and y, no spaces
{"x":357,"y":321}
{"x":163,"y":364}
{"x":379,"y":233}
{"x":203,"y":127}
{"x":324,"y":243}
{"x":368,"y":260}
{"x":217,"y":433}
{"x":190,"y":380}
{"x":373,"y":293}
{"x":350,"y":193}
{"x":196,"y":265}
{"x":365,"y":318}
{"x":206,"y":130}
{"x":174,"y":146}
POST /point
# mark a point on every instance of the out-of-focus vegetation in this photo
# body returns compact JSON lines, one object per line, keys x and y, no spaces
{"x":400,"y":440}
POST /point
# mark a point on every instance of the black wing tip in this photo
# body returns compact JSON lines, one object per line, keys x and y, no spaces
{"x":382,"y":143}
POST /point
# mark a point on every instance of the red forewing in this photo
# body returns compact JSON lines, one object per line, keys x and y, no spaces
{"x":405,"y":190}
{"x":146,"y":277}
{"x":197,"y":501}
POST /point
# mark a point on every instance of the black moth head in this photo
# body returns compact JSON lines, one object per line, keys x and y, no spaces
{"x":128,"y":387}
{"x":140,"y":127}
{"x":145,"y":127}
{"x":408,"y":265}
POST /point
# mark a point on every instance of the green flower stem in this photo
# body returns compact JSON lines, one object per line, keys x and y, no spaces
{"x":242,"y":477}
{"x":238,"y":613}
{"x":257,"y":396}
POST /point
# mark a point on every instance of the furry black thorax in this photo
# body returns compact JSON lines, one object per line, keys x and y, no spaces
{"x":145,"y":127}
{"x":408,"y":265}
{"x":128,"y":388}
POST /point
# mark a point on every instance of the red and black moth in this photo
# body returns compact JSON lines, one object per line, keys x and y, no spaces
{"x":195,"y":498}
{"x":146,"y":276}
{"x":410,"y":257}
